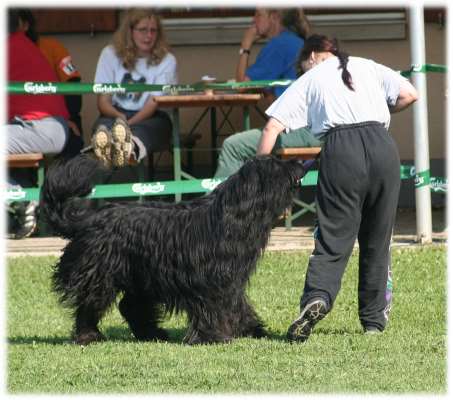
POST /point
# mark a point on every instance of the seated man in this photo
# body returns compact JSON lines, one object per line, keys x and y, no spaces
{"x":36,"y":123}
{"x":286,"y":31}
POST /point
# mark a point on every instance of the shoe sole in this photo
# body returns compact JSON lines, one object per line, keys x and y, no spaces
{"x":101,"y":143}
{"x":300,"y":329}
{"x":29,"y":223}
{"x":121,"y":143}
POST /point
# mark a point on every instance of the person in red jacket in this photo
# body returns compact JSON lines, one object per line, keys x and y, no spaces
{"x":36,"y":123}
{"x":61,"y":62}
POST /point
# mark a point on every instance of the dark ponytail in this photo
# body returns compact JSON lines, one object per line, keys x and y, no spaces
{"x":343,"y":58}
{"x":320,"y":43}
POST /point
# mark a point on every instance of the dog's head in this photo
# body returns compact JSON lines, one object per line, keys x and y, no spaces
{"x":264,"y":184}
{"x":272,"y":172}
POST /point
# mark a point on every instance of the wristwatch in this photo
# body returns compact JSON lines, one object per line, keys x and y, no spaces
{"x":244,"y":51}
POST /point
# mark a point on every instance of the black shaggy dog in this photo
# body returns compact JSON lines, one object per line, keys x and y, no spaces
{"x":194,"y":256}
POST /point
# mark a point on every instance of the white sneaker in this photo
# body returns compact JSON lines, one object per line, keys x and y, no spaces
{"x":25,"y":214}
{"x":102,"y":145}
{"x":121,"y":143}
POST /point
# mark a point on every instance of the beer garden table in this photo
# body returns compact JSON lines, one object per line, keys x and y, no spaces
{"x":211,"y":102}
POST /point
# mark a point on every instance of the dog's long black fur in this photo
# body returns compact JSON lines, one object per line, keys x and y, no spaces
{"x":194,"y":256}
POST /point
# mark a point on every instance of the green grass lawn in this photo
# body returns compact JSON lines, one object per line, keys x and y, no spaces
{"x":408,"y":358}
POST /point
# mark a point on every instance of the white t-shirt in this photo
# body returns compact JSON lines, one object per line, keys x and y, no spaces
{"x":319,"y":100}
{"x":110,"y":69}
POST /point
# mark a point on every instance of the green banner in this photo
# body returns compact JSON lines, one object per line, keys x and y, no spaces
{"x":438,"y":185}
{"x":64,"y":88}
{"x":144,"y":189}
{"x":407,"y":171}
{"x":424,"y":69}
{"x":422,"y":179}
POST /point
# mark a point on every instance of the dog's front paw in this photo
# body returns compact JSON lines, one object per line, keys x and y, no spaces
{"x":257,"y":332}
{"x":195,"y":338}
{"x":85,"y":338}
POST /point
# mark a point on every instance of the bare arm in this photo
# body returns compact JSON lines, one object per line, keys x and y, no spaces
{"x":147,"y":111}
{"x":408,"y":95}
{"x":105,"y":107}
{"x":270,"y":133}
{"x":250,"y":35}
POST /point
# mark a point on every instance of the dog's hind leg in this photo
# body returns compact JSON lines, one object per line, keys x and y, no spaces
{"x":86,"y":325}
{"x":143,"y":314}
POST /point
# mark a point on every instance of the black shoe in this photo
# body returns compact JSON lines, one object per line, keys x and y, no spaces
{"x":371,"y":330}
{"x":313,"y":312}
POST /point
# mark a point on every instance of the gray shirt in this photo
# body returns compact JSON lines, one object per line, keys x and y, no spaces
{"x":319,"y":100}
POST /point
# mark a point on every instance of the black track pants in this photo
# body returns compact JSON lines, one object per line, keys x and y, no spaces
{"x":357,"y":196}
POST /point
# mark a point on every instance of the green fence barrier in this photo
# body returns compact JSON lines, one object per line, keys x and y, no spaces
{"x":112,"y":88}
{"x":438,"y":185}
{"x":424,"y":69}
{"x":144,"y":189}
{"x":65,"y":88}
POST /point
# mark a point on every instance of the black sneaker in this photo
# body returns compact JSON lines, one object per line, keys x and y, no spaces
{"x":313,"y":312}
{"x":371,"y":330}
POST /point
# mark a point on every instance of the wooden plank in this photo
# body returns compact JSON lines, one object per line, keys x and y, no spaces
{"x":24,"y":160}
{"x":303,"y":153}
{"x":207,"y":100}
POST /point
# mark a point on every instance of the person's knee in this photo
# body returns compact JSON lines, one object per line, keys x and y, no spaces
{"x":243,"y":139}
{"x":228,"y":143}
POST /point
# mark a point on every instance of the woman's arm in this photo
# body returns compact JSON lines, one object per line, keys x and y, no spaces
{"x":407,"y":95}
{"x":147,"y":111}
{"x":270,"y":133}
{"x":105,"y":107}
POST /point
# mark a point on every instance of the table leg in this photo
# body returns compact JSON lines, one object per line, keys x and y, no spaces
{"x":213,"y":118}
{"x":176,"y":149}
{"x":246,"y":116}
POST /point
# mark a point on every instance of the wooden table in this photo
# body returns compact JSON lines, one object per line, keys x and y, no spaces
{"x":209,"y":101}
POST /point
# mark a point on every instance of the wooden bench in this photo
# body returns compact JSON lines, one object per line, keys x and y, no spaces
{"x":31,"y":160}
{"x":28,"y":160}
{"x":302,"y":153}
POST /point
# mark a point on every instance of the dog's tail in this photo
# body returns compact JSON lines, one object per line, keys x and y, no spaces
{"x":62,"y":195}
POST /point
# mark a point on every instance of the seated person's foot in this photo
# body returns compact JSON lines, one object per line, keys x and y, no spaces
{"x":102,"y":145}
{"x":25,"y":220}
{"x":122,"y":145}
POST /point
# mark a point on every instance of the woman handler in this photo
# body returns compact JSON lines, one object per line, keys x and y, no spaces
{"x":346,"y":101}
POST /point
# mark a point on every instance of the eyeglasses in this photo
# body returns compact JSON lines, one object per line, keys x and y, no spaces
{"x":145,"y":31}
